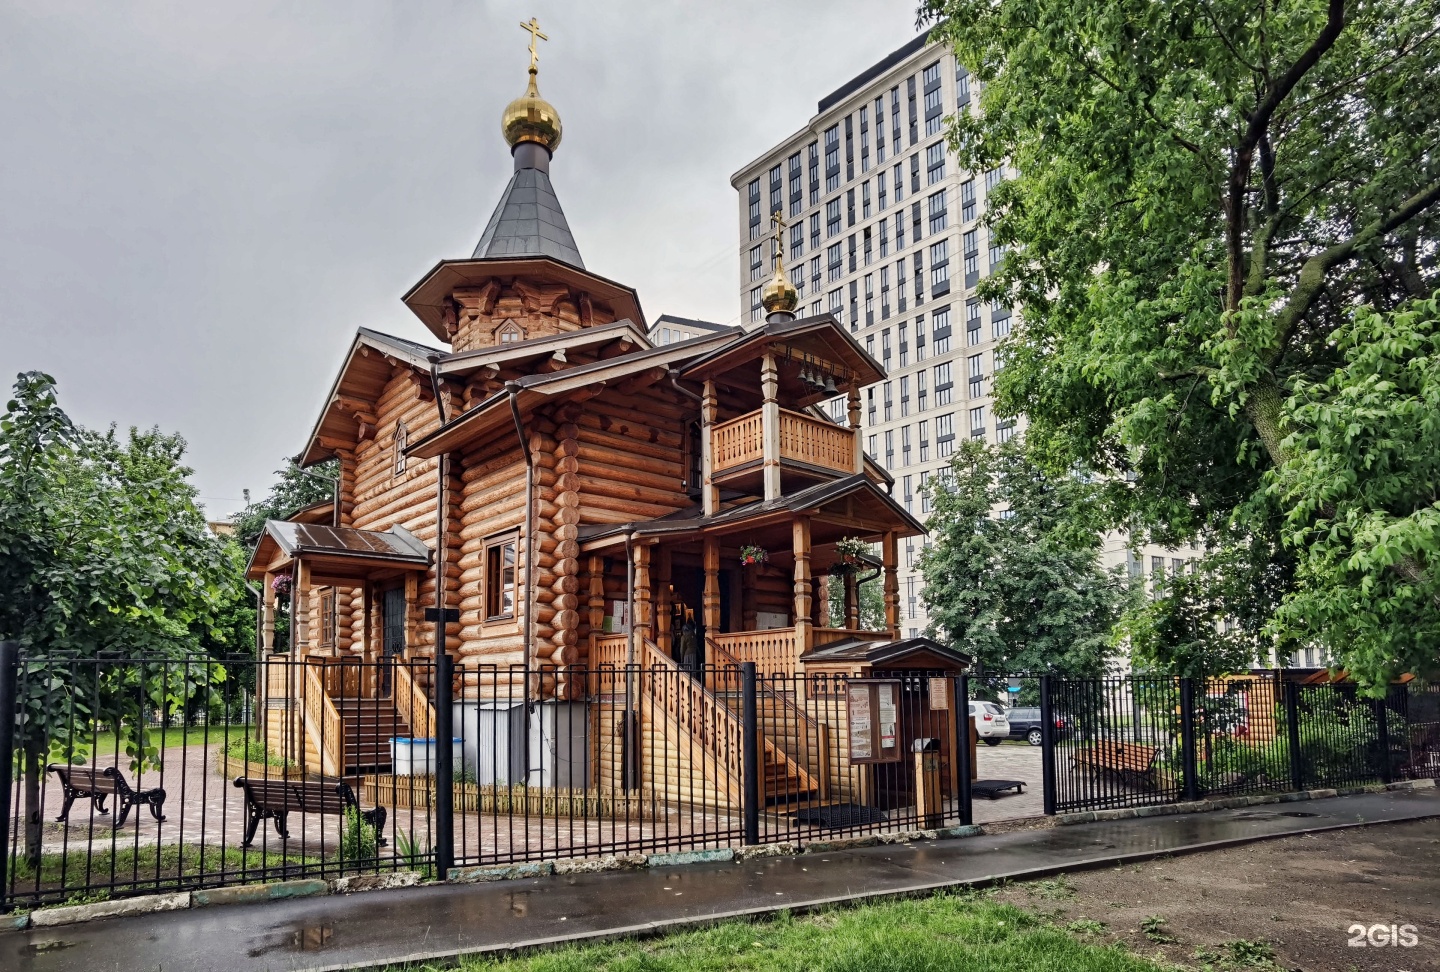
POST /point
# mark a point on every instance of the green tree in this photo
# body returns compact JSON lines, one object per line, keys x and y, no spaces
{"x":294,"y":489}
{"x":1205,"y":191}
{"x":1361,"y":484}
{"x":1022,"y":589}
{"x":871,"y":595}
{"x":104,"y":555}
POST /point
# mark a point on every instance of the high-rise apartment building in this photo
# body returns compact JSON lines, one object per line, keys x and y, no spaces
{"x":884,"y":232}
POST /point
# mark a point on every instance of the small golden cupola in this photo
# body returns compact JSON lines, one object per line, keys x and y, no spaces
{"x":778,"y":296}
{"x":530,"y":118}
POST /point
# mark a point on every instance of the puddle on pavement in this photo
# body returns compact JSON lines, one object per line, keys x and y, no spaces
{"x":51,"y":946}
{"x":1297,"y":813}
{"x":312,"y":938}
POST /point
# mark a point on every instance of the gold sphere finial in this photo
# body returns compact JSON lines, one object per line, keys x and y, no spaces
{"x":530,"y":118}
{"x":779,"y":294}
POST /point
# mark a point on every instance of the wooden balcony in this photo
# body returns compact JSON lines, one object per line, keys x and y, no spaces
{"x":811,"y":447}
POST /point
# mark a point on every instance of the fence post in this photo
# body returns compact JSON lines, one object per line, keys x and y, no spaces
{"x":444,"y":764}
{"x":750,"y":752}
{"x":1382,"y":722}
{"x":1292,"y":730}
{"x":962,"y":744}
{"x":1047,"y":746}
{"x":1188,"y":763}
{"x":9,"y":665}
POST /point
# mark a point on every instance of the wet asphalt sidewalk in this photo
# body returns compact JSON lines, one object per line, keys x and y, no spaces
{"x":380,"y":927}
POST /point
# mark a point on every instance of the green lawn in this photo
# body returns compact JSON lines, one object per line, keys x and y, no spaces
{"x":68,"y":872}
{"x":959,"y":932}
{"x":104,"y":745}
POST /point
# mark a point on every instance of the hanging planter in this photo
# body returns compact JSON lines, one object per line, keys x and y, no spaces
{"x":750,"y":555}
{"x":852,"y":551}
{"x":281,"y":584}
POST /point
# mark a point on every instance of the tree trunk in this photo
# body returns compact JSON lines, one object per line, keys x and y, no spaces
{"x":1265,"y":410}
{"x":34,"y":760}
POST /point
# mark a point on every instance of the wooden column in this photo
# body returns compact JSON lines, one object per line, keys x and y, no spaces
{"x":820,"y":601}
{"x":890,"y":559}
{"x":800,"y":544}
{"x":854,"y":410}
{"x":709,"y":403}
{"x":770,"y":424}
{"x":596,"y":602}
{"x":852,"y":601}
{"x":304,"y":638}
{"x":371,"y":677}
{"x":267,"y":622}
{"x":712,"y":587}
{"x":640,"y":624}
{"x":664,"y":602}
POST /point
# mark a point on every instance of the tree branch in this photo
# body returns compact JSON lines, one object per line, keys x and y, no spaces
{"x":1312,"y":272}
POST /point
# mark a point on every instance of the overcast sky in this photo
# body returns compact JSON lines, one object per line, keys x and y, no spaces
{"x":201,"y":201}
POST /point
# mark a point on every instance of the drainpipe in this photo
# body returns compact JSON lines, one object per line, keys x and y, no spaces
{"x":513,"y":389}
{"x":259,"y":656}
{"x":629,"y":778}
{"x":441,"y":463}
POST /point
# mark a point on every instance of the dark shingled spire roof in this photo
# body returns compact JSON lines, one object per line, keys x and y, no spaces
{"x":528,"y":220}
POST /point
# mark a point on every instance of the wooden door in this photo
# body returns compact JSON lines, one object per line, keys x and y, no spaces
{"x":392,"y":640}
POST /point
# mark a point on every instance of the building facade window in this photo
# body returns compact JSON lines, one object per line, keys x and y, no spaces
{"x":833,"y":262}
{"x":797,"y":241}
{"x":938,"y":213}
{"x":757,"y":265}
{"x":832,"y":217}
{"x":813,"y":166}
{"x":976,"y":375}
{"x":942,"y":384}
{"x":401,"y":443}
{"x":944,"y":435}
{"x":756,"y":310}
{"x":972,"y":322}
{"x":967,"y":201}
{"x":940,"y":268}
{"x":500,"y":578}
{"x":934,"y":163}
{"x":832,"y":158}
{"x":977,"y":421}
{"x":940,"y":331}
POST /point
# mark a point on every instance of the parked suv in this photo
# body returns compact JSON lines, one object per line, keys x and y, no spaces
{"x":990,"y":722}
{"x":1024,"y":721}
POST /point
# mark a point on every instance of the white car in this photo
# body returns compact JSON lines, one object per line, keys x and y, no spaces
{"x":990,"y":723}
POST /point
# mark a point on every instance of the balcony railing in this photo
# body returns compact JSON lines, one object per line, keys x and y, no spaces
{"x":812,"y":441}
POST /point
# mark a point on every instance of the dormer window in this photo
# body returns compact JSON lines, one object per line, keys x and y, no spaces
{"x":509,"y":333}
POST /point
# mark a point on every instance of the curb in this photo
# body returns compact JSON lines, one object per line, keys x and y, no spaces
{"x":282,"y":890}
{"x":1233,"y":803}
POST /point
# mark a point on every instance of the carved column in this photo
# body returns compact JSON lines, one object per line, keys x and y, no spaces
{"x":770,"y":424}
{"x":712,"y":587}
{"x":890,"y":559}
{"x":596,"y":602}
{"x":820,"y":601}
{"x":304,"y":637}
{"x":800,"y":544}
{"x":267,"y":622}
{"x":664,"y":603}
{"x":709,"y":403}
{"x":852,"y":601}
{"x":640,"y":625}
{"x":854,"y":410}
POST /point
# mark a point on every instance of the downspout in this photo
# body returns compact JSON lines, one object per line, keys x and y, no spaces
{"x":513,"y":389}
{"x":259,"y":658}
{"x":629,"y":777}
{"x":441,"y":642}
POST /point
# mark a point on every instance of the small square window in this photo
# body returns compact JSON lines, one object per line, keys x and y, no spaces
{"x":500,"y":578}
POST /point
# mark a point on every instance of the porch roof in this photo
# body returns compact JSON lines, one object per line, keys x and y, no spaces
{"x":693,"y":520}
{"x":287,"y":540}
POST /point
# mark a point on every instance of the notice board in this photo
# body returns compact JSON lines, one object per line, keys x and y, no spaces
{"x":872,"y":707}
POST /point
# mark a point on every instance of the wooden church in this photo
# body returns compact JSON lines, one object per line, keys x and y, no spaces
{"x":542,"y":492}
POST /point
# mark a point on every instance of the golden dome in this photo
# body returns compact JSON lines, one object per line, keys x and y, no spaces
{"x":530,"y":118}
{"x":779,"y":294}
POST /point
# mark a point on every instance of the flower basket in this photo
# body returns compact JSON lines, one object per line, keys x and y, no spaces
{"x":280,"y":584}
{"x":750,"y":556}
{"x":852,"y":551}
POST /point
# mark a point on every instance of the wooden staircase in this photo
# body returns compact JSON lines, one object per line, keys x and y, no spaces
{"x":369,"y":725}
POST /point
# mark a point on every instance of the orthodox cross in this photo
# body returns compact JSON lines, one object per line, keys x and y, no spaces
{"x":780,"y":224}
{"x":534,"y":28}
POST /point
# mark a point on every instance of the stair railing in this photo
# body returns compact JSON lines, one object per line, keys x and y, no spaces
{"x":807,"y":727}
{"x":412,"y":702}
{"x":323,"y":725}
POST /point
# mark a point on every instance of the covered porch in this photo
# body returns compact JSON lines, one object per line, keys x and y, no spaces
{"x":752,"y":584}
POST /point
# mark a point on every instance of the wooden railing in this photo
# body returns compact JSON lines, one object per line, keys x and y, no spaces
{"x":816,"y":442}
{"x":709,"y":721}
{"x":825,"y":636}
{"x":412,"y":703}
{"x":610,"y":649}
{"x":737,"y":441}
{"x":773,"y":651}
{"x":811,"y":737}
{"x":323,"y":725}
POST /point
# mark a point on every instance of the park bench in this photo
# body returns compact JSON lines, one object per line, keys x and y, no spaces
{"x":1132,"y":764}
{"x":87,"y":781}
{"x":277,"y":799}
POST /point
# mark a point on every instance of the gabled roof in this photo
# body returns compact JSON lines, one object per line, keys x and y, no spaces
{"x":878,"y":654}
{"x":692,"y":519}
{"x":821,"y":338}
{"x":348,"y":380}
{"x":533,"y":389}
{"x":396,"y":546}
{"x":520,"y":351}
{"x":528,"y":221}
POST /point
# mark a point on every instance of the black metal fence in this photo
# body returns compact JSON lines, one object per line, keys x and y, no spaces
{"x":133,"y":775}
{"x":1137,"y":741}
